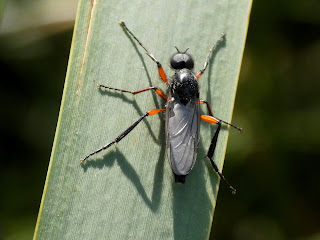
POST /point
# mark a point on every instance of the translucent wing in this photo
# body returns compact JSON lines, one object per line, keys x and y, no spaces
{"x":182,"y":135}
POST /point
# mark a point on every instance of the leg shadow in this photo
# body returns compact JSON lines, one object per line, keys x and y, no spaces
{"x":192,"y":206}
{"x":128,"y":170}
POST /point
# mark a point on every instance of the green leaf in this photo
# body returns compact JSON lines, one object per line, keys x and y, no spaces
{"x":2,"y":8}
{"x":128,"y":191}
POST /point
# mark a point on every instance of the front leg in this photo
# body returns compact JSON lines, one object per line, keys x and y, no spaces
{"x":160,"y":69}
{"x":205,"y":65}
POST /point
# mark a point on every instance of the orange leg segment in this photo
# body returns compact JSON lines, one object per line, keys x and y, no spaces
{"x":215,"y":120}
{"x":155,"y":111}
{"x":162,"y":73}
{"x":209,"y":119}
{"x":208,"y":106}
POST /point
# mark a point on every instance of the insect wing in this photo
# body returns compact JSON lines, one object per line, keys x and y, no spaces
{"x":182,"y":135}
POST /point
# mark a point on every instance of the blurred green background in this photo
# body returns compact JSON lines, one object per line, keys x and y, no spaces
{"x":273,"y":164}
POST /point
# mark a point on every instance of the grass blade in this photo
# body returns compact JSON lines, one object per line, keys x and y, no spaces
{"x":128,"y":192}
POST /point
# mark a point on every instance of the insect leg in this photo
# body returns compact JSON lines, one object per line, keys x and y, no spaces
{"x":212,"y":148}
{"x":125,"y":133}
{"x":210,"y":114}
{"x":157,"y":90}
{"x":208,"y":106}
{"x":205,"y":65}
{"x":160,"y":69}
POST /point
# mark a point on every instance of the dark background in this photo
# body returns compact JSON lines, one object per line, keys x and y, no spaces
{"x":273,"y":164}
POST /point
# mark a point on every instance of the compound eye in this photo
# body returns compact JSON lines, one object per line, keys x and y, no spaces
{"x":177,"y":61}
{"x":188,"y":61}
{"x":181,"y":60}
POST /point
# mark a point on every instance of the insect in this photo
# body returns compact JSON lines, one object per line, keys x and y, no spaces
{"x":182,"y":112}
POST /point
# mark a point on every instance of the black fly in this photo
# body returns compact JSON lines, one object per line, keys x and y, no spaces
{"x":182,"y":113}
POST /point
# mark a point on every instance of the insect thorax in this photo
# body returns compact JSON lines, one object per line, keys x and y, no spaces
{"x":184,"y":85}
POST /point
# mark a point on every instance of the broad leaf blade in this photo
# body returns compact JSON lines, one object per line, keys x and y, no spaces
{"x":128,"y":191}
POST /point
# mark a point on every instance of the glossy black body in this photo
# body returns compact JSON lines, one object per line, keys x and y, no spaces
{"x":184,"y":85}
{"x":182,"y":116}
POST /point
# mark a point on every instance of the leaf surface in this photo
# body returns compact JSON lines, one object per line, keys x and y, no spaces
{"x":128,"y":191}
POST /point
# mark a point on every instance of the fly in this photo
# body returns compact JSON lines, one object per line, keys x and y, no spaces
{"x":182,"y":112}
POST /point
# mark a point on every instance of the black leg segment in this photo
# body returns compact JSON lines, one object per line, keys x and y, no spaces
{"x":125,"y":133}
{"x":210,"y":155}
{"x":157,"y":90}
{"x":160,"y":69}
{"x":205,"y":65}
